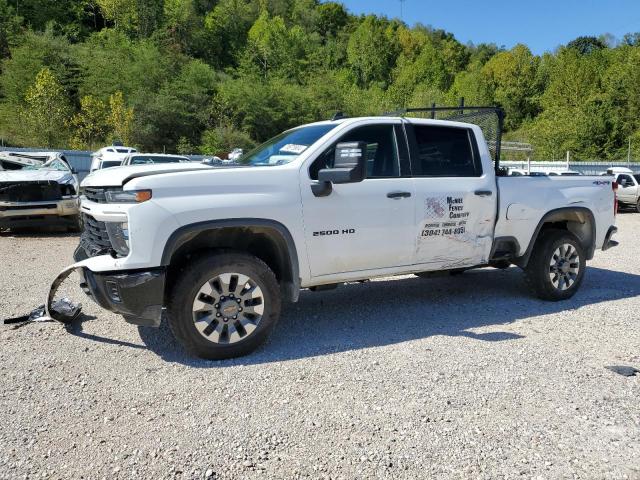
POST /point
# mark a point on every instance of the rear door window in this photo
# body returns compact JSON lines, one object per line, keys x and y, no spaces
{"x":444,"y":152}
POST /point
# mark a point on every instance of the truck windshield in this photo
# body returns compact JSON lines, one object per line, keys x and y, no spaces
{"x":285,"y":147}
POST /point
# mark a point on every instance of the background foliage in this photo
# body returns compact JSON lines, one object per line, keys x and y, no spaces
{"x":209,"y":75}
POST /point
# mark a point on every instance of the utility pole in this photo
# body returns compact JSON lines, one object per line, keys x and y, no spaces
{"x":629,"y":154}
{"x":402,"y":9}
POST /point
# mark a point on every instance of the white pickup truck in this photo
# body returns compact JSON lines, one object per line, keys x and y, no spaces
{"x":628,"y":187}
{"x":220,"y":249}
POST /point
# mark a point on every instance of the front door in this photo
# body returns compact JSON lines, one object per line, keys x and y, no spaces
{"x":455,"y":200}
{"x":366,"y":225}
{"x":627,"y":189}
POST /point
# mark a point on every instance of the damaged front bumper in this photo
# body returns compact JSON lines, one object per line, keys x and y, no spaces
{"x":137,"y":295}
{"x":25,"y":214}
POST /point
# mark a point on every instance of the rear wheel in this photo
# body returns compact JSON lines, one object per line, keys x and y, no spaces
{"x":224,"y":305}
{"x":556,"y":268}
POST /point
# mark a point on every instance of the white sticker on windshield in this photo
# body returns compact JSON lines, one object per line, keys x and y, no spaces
{"x":293,"y":148}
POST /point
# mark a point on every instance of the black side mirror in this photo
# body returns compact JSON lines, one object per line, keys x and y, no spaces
{"x":349,"y":166}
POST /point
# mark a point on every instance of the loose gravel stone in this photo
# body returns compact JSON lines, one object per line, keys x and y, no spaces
{"x":403,"y":378}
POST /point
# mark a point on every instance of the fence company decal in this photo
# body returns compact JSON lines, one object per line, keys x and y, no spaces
{"x":450,"y":210}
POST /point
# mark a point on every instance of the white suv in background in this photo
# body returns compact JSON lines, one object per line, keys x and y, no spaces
{"x":110,"y":157}
{"x":153,"y":158}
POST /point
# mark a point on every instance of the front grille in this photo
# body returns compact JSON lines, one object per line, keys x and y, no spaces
{"x":94,"y":239}
{"x":97,"y":194}
{"x":39,"y":191}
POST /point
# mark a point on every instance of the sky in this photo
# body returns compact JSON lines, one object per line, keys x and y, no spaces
{"x":543,"y":25}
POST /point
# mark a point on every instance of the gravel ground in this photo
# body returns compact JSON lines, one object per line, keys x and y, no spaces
{"x":463,"y":377}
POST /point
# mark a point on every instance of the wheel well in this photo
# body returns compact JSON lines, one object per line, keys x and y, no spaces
{"x":265,"y":243}
{"x":579,"y":221}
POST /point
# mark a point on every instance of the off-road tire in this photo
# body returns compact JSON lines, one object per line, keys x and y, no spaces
{"x":189,"y":281}
{"x":538,"y":271}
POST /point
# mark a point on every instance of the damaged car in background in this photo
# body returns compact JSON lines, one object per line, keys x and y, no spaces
{"x":37,"y":189}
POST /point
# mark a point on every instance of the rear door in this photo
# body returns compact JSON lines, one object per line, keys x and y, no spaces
{"x":455,"y":199}
{"x":366,"y":225}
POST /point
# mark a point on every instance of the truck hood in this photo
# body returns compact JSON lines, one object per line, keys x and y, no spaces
{"x":117,"y":176}
{"x":36,"y":176}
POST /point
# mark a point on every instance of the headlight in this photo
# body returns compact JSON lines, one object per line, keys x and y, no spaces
{"x":67,"y":191}
{"x":119,"y":236}
{"x":128,"y":196}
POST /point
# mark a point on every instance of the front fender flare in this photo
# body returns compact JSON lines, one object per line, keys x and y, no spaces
{"x":291,"y":281}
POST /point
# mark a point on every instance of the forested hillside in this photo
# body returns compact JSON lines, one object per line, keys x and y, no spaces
{"x":207,"y":75}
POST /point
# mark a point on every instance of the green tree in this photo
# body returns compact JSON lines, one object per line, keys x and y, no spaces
{"x":179,"y":109}
{"x":10,"y":24}
{"x":111,"y":62}
{"x":250,"y":102}
{"x":34,"y":52}
{"x":586,"y":45}
{"x":274,"y":49}
{"x":90,"y":125}
{"x":332,"y":18}
{"x":46,"y":111}
{"x":186,"y":29}
{"x":513,"y":78}
{"x":429,"y":70}
{"x":221,"y":140}
{"x":228,"y":24}
{"x":123,"y":13}
{"x":120,"y":119}
{"x":372,"y":51}
{"x":185,"y":147}
{"x":471,"y":85}
{"x":631,"y":39}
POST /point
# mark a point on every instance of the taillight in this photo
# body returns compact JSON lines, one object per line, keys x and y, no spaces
{"x":614,"y":186}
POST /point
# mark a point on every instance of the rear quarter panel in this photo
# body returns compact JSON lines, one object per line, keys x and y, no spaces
{"x":524,"y":201}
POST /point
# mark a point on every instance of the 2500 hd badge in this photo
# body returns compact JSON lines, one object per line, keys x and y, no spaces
{"x":323,"y":233}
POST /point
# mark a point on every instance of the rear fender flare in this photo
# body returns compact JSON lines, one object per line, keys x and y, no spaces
{"x":561,"y":214}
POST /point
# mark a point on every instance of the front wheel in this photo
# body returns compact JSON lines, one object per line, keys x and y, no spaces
{"x":556,"y":268}
{"x":638,"y":206}
{"x":224,"y":305}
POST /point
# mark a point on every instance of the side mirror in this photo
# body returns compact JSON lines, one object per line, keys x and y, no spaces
{"x":349,"y":166}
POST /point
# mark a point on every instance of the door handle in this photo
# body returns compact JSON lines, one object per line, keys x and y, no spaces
{"x":398,"y":194}
{"x":483,"y":193}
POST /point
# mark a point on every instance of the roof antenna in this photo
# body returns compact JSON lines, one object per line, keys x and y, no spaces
{"x":338,"y":116}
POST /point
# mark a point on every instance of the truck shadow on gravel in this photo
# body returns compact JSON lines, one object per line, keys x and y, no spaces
{"x":359,"y":316}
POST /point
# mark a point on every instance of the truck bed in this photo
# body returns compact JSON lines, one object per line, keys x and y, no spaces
{"x":524,"y":202}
